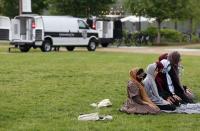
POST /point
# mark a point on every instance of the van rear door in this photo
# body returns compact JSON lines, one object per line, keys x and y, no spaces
{"x":110,"y":29}
{"x":99,"y":28}
{"x":38,"y":31}
{"x":15,"y":27}
{"x":4,"y":28}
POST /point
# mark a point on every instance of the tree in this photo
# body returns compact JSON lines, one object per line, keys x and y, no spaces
{"x":1,"y":4}
{"x":10,"y":8}
{"x":78,"y":8}
{"x":158,"y":9}
{"x":136,"y":7}
{"x":193,"y":13}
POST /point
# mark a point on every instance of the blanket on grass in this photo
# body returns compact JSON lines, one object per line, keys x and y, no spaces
{"x":187,"y":109}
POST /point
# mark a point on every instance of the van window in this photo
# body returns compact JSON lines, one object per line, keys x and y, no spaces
{"x":4,"y":22}
{"x":39,"y":23}
{"x":82,"y":25}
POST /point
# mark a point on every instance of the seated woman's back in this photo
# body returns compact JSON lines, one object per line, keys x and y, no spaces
{"x":138,"y":101}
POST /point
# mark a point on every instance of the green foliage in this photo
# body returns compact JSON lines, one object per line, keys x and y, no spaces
{"x":151,"y":31}
{"x":167,"y":35}
{"x":193,"y":10}
{"x":159,"y":9}
{"x":10,"y":8}
{"x":47,"y":91}
{"x":80,"y":8}
{"x":195,"y":39}
{"x":1,"y":6}
{"x":171,"y":35}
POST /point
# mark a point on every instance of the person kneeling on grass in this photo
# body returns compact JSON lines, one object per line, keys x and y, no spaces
{"x":138,"y":101}
{"x":175,"y":61}
{"x":152,"y":91}
{"x":175,"y":72}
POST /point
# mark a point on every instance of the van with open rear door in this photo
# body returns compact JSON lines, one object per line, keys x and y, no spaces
{"x":47,"y":32}
{"x":27,"y":31}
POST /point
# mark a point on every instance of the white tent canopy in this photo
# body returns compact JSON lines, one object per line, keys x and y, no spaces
{"x":136,"y":19}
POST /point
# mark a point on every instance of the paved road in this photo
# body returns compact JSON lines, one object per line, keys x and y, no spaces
{"x":184,"y":50}
{"x":193,"y":49}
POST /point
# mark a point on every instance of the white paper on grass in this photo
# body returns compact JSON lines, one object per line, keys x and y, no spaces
{"x":104,"y":103}
{"x":94,"y":117}
{"x":89,"y":117}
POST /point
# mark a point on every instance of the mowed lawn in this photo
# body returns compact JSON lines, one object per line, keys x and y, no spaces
{"x":48,"y":91}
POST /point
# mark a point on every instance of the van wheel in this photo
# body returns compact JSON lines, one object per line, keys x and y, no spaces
{"x":24,"y":48}
{"x":70,"y":48}
{"x":46,"y":46}
{"x":92,"y":46}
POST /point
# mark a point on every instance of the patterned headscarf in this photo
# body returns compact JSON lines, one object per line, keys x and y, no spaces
{"x":133,"y":75}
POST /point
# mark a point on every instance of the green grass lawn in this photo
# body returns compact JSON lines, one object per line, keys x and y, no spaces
{"x":48,"y":91}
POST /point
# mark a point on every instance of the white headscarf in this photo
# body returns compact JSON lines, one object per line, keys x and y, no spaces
{"x":150,"y":86}
{"x":166,"y":69}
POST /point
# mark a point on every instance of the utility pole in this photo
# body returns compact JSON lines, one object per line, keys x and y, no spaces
{"x":20,"y":7}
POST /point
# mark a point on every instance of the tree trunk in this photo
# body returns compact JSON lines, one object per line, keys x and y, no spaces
{"x":158,"y":35}
{"x":191,"y":28}
{"x":139,"y":29}
{"x":176,"y":25}
{"x":20,"y":7}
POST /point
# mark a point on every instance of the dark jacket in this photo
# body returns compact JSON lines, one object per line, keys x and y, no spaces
{"x":161,"y":82}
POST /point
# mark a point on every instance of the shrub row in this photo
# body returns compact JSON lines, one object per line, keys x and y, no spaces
{"x":170,"y":35}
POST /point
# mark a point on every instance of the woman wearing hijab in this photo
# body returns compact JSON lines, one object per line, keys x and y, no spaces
{"x":165,"y":86}
{"x":161,"y":83}
{"x":138,"y":101}
{"x":152,"y":91}
{"x":175,"y":59}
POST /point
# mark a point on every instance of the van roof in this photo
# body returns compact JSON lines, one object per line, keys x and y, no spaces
{"x":28,"y":15}
{"x":4,"y":17}
{"x":59,"y":17}
{"x":37,"y":16}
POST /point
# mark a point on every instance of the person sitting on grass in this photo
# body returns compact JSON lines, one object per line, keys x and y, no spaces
{"x":151,"y":88}
{"x":138,"y":101}
{"x":162,"y":85}
{"x":182,"y":91}
{"x":165,"y":82}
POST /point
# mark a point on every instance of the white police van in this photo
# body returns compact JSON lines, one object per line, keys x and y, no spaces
{"x":46,"y":32}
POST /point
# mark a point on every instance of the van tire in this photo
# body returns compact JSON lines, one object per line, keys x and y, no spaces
{"x":24,"y":48}
{"x":92,"y":45}
{"x":46,"y":46}
{"x":70,"y":48}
